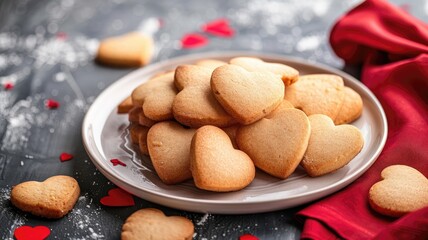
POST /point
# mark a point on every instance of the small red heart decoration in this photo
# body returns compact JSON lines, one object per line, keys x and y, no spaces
{"x":118,"y":197}
{"x":61,"y":36}
{"x":65,"y":157}
{"x":248,"y":237}
{"x":51,"y":104}
{"x":219,"y":28}
{"x":161,"y":22}
{"x":193,"y":40}
{"x":8,"y":86}
{"x":117,"y":162}
{"x":32,"y":233}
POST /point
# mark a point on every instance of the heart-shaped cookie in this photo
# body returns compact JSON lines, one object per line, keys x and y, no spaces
{"x":317,"y":93}
{"x":231,"y":132}
{"x":276,"y":143}
{"x":195,"y":104}
{"x":152,"y":224}
{"x":134,"y":113}
{"x":156,"y":97}
{"x":402,"y":189}
{"x":246,"y":96}
{"x":284,"y":105}
{"x":288,"y":74}
{"x":52,"y":198}
{"x":351,"y":108}
{"x":129,"y":50}
{"x":330,"y":147}
{"x":169,"y":149}
{"x":216,"y":165}
{"x":136,"y":131}
{"x":143,"y":120}
{"x":125,"y":106}
{"x":138,"y":135}
{"x":142,"y":142}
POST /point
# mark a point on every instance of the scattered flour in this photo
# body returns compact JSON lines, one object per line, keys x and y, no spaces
{"x":18,"y":219}
{"x":70,"y":53}
{"x":30,"y":114}
{"x":85,"y":218}
{"x":150,"y":26}
{"x":308,"y":43}
{"x":203,"y":219}
{"x":54,"y":50}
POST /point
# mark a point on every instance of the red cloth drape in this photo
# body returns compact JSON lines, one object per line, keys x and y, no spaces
{"x":392,"y":48}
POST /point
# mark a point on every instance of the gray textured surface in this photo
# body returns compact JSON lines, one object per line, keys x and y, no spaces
{"x":47,"y":49}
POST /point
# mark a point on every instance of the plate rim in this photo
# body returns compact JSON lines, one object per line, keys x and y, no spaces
{"x":152,"y":195}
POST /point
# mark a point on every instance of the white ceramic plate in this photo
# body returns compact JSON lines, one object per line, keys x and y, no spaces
{"x":105,"y":137}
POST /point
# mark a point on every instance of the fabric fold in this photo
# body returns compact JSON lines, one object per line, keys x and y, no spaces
{"x":392,"y":48}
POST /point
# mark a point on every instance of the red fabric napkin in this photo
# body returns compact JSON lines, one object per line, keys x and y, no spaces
{"x":392,"y":48}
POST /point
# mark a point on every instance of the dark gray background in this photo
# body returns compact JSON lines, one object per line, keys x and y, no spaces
{"x":47,"y":49}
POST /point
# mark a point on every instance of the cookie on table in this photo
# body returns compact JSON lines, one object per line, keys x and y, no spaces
{"x":152,"y":224}
{"x":216,"y":165}
{"x":169,"y":149}
{"x":52,"y":198}
{"x":330,"y":147}
{"x":402,"y":189}
{"x":288,"y":74}
{"x":317,"y":94}
{"x":195,"y":104}
{"x":129,"y":50}
{"x":246,"y":96}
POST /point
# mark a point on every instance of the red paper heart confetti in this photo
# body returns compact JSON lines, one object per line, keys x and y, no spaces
{"x":219,"y":28}
{"x":193,"y":40}
{"x":118,"y":197}
{"x":32,"y":233}
{"x":248,"y":237}
{"x":117,"y":162}
{"x":51,"y":104}
{"x":8,"y":86}
{"x":61,"y":36}
{"x":65,"y":157}
{"x":161,"y":22}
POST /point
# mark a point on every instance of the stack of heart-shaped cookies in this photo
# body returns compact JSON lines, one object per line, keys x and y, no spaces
{"x":216,"y":122}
